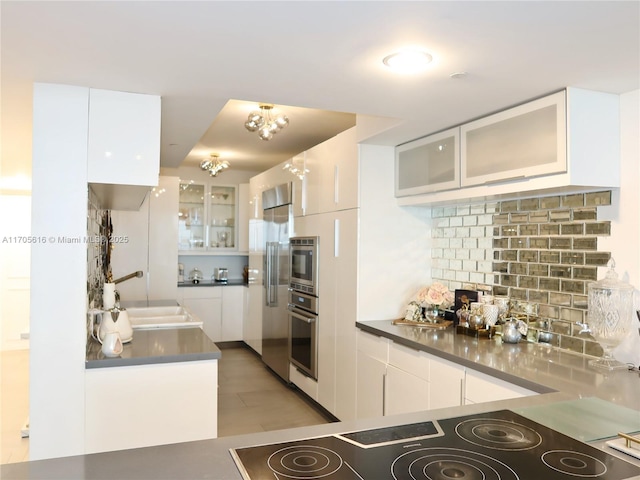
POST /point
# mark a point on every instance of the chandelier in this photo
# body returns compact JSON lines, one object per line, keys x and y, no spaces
{"x":213,"y":164}
{"x":264,"y":123}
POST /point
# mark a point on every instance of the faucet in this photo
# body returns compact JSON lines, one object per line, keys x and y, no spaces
{"x":137,"y":274}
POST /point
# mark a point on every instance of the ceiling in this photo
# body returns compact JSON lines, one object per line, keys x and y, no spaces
{"x":205,"y":57}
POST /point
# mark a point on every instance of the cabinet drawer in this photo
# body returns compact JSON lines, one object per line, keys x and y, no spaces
{"x":373,"y":345}
{"x":410,"y":360}
{"x":200,"y":292}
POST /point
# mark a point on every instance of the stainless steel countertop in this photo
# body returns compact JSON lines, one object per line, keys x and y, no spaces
{"x":160,"y":345}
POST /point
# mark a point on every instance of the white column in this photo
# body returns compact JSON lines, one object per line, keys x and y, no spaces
{"x":58,"y":271}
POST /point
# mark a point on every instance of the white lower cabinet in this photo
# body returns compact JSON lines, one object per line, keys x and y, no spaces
{"x":481,"y":388}
{"x":232,"y":312}
{"x":446,"y":382}
{"x":372,"y":356}
{"x":370,"y":386}
{"x":206,"y":304}
{"x":404,"y":392}
{"x":394,"y":379}
{"x":144,"y":405}
{"x":220,"y":308}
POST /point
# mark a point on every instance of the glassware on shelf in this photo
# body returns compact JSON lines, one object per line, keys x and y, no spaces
{"x":610,"y":310}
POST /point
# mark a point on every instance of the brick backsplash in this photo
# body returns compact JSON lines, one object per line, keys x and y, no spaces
{"x":542,"y":250}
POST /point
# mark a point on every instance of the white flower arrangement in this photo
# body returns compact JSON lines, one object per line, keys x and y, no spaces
{"x":435,"y":295}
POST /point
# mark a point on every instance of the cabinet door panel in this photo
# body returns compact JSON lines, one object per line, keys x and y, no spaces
{"x":124,"y":138}
{"x":429,"y":164}
{"x":446,"y":384}
{"x":209,"y":310}
{"x":404,"y":393}
{"x":370,"y":386}
{"x":232,"y":313}
{"x":524,"y":141}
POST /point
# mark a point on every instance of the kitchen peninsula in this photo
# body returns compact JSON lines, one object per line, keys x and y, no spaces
{"x":561,"y":379}
{"x":162,"y":389}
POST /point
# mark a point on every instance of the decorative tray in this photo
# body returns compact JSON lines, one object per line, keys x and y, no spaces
{"x":477,"y":333}
{"x":437,"y":326}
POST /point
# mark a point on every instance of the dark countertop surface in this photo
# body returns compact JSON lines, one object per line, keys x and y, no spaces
{"x":159,"y":345}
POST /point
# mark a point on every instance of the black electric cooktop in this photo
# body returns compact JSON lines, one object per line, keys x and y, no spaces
{"x":499,"y":445}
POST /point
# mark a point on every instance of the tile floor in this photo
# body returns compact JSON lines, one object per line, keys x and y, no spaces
{"x":250,"y":399}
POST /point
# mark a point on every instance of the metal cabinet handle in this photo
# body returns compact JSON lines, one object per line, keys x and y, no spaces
{"x":384,"y":393}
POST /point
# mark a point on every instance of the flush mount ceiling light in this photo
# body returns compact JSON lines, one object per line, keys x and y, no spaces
{"x":213,"y":164}
{"x":265,"y":123}
{"x":408,"y":61}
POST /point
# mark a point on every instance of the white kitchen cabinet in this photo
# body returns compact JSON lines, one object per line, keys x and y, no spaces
{"x":525,"y":141}
{"x":372,"y":357}
{"x":243,"y":217}
{"x":331,"y":182}
{"x":404,"y":392}
{"x":518,"y":152}
{"x":144,"y":405}
{"x":206,"y":304}
{"x":124,"y":138}
{"x":446,"y":383}
{"x":428,"y":164}
{"x":370,"y":386}
{"x":232,"y":312}
{"x":406,"y":386}
{"x":480,"y":388}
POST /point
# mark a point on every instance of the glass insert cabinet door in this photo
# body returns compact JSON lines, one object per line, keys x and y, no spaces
{"x":191,"y":217}
{"x":222,"y":217}
{"x":207,"y":218}
{"x":428,"y":164}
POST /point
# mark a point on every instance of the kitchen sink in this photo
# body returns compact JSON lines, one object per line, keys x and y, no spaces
{"x":162,"y":317}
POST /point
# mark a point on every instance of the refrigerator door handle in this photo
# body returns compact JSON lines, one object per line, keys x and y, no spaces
{"x":271,"y":272}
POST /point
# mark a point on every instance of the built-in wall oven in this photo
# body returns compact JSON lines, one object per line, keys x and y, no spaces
{"x":303,"y":333}
{"x":303,"y":265}
{"x":303,"y":305}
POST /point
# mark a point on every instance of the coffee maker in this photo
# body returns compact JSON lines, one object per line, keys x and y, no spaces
{"x":221,"y":275}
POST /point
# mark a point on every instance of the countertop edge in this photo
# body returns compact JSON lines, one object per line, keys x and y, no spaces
{"x":129,"y":362}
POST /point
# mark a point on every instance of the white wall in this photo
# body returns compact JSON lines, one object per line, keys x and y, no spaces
{"x":58,"y":271}
{"x":394,"y":241}
{"x":624,"y":213}
{"x":15,"y":263}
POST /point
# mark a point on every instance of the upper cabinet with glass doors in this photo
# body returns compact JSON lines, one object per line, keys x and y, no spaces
{"x":428,"y":164}
{"x":522,"y":142}
{"x":207,"y":218}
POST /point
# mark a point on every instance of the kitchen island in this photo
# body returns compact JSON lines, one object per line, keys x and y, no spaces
{"x":211,"y":459}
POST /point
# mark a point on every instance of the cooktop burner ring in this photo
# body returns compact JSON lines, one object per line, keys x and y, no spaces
{"x":498,"y":434}
{"x":575,"y":464}
{"x":442,"y":463}
{"x":304,"y":462}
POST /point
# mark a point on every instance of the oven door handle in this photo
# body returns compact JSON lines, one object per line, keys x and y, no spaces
{"x":299,"y":316}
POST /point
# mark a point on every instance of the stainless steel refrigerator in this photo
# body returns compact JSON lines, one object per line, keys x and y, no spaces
{"x":277,"y":217}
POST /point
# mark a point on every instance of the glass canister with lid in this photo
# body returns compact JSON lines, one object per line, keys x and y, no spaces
{"x":610,"y":316}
